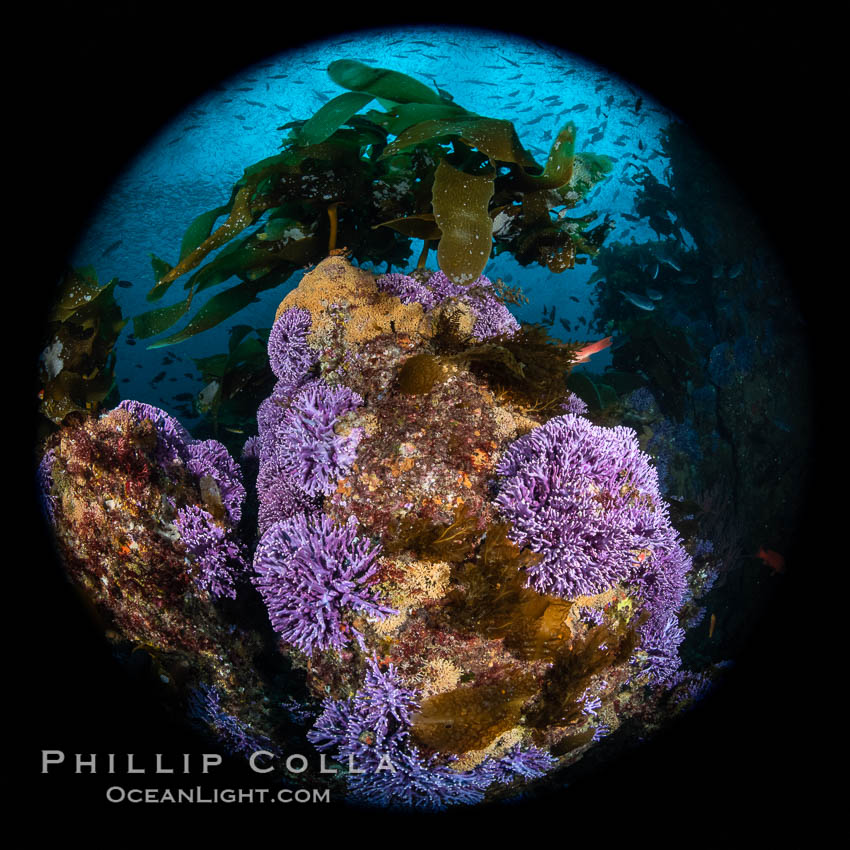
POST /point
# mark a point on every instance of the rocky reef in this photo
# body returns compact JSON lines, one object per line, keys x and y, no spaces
{"x":468,"y":580}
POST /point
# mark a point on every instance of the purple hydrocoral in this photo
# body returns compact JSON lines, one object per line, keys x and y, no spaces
{"x":279,"y":496}
{"x":290,"y":357}
{"x":371,"y":731}
{"x":661,"y":582}
{"x":300,"y":454}
{"x":306,"y":445}
{"x":407,"y":289}
{"x":492,"y":318}
{"x":217,"y":556}
{"x":211,"y":458}
{"x":311,"y":572}
{"x":44,"y":479}
{"x":586,"y":498}
{"x":661,"y":637}
{"x":443,"y":287}
{"x":573,"y":404}
{"x":235,"y":736}
{"x":531,"y":763}
{"x":173,"y":437}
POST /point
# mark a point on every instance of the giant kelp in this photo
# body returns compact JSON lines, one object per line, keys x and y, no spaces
{"x":77,"y":369}
{"x":421,"y":166}
{"x":233,"y":380}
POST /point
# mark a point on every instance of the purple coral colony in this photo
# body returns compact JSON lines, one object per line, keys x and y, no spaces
{"x":471,"y":588}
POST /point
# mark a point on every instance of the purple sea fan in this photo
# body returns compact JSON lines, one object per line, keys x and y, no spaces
{"x":586,"y":498}
{"x":311,"y":572}
{"x":211,"y":458}
{"x":290,"y":357}
{"x":407,"y":289}
{"x":173,"y":437}
{"x":217,"y":556}
{"x":306,"y":445}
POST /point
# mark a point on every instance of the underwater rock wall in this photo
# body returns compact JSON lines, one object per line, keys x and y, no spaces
{"x":426,"y":592}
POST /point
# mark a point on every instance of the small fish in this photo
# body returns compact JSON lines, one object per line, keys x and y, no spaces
{"x":579,"y":107}
{"x":124,"y":284}
{"x":584,"y":353}
{"x":638,"y":300}
{"x":773,"y":559}
{"x":566,"y":324}
{"x":687,"y":280}
{"x":655,"y":271}
{"x":711,"y":626}
{"x":654,"y":294}
{"x":672,"y":263}
{"x":735,"y":271}
{"x":157,"y":378}
{"x":442,"y":92}
{"x":573,"y":298}
{"x":112,"y":247}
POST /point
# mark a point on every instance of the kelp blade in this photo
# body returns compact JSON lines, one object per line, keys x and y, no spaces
{"x":331,"y":116}
{"x":161,"y":319}
{"x":381,"y":82}
{"x":215,"y":311}
{"x":460,"y":204}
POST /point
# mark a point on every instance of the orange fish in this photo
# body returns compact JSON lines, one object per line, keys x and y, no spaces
{"x":583,"y":354}
{"x":773,"y":559}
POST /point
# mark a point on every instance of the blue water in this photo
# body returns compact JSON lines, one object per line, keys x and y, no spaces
{"x":191,"y":165}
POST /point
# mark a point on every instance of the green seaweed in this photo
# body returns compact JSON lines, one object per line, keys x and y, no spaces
{"x":77,"y":369}
{"x":234,"y":381}
{"x":446,"y":177}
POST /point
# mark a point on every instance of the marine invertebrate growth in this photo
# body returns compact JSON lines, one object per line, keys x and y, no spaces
{"x":586,"y":498}
{"x":372,"y":730}
{"x":306,"y":445}
{"x":313,"y":573}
